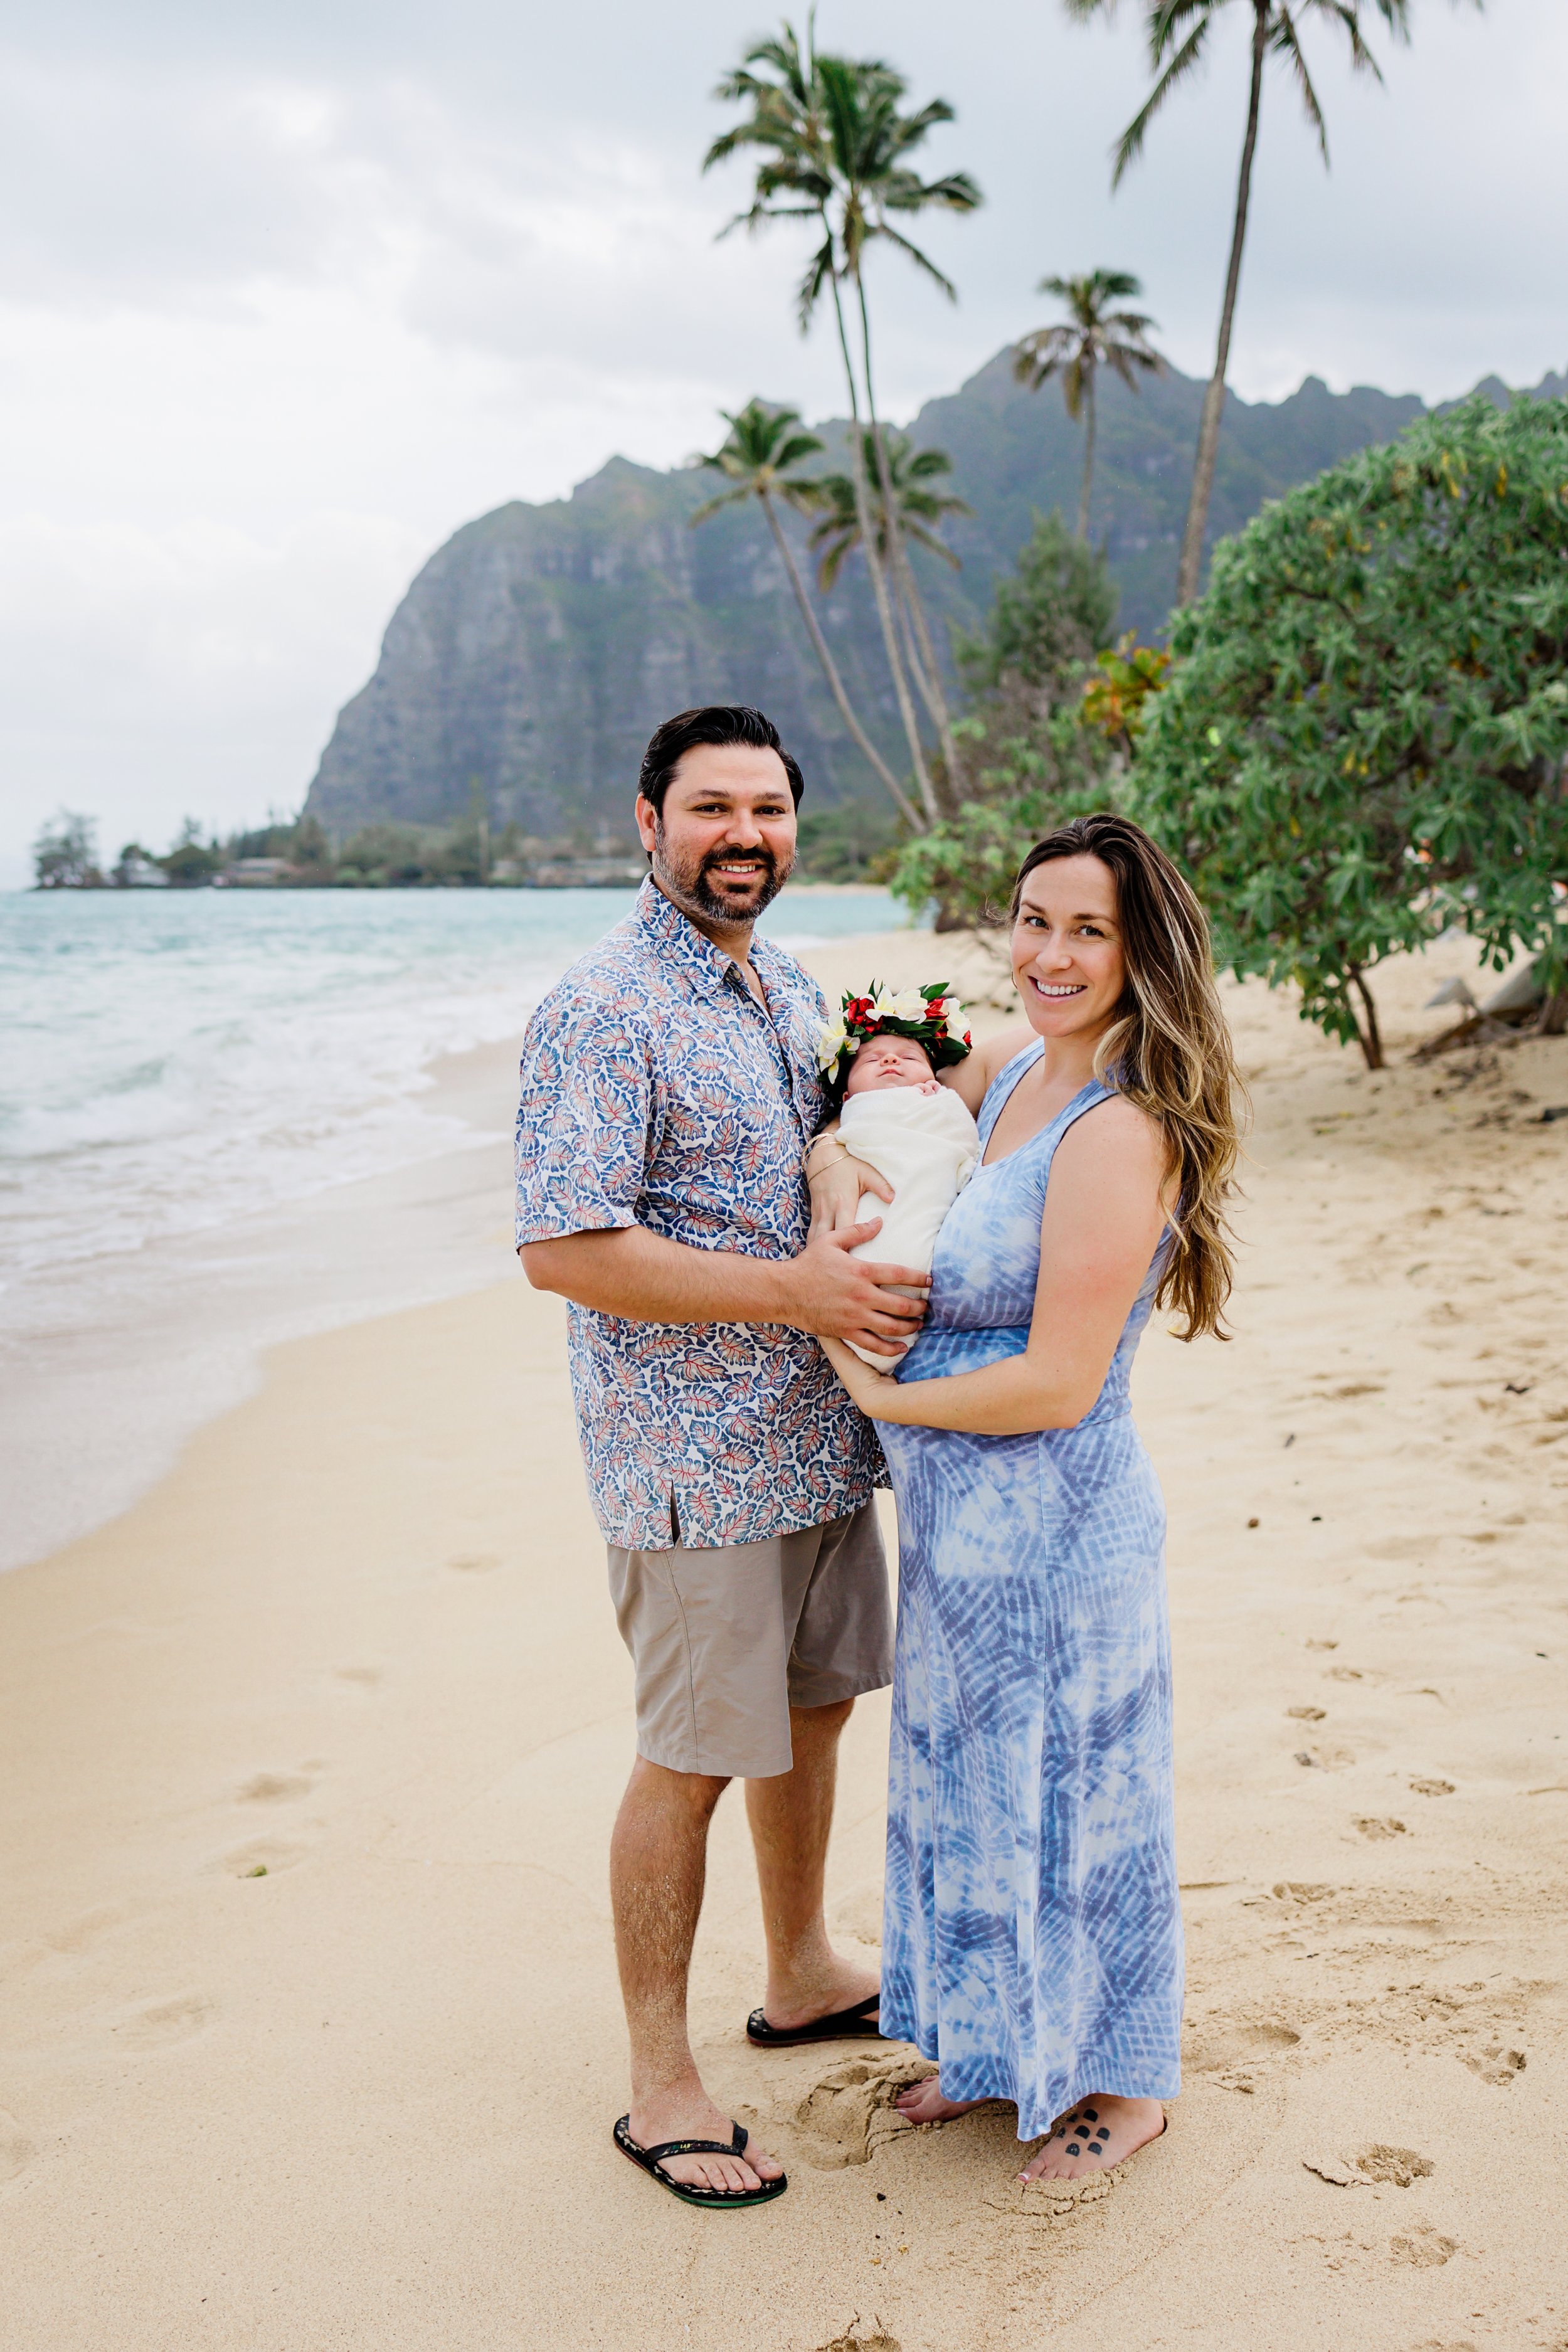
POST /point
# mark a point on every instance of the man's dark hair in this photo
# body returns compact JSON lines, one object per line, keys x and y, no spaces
{"x":721,"y":723}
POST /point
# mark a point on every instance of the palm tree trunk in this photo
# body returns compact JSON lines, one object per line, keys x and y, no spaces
{"x":878,"y":578}
{"x":1192,"y":562}
{"x":1088,"y":458}
{"x":926,"y":670}
{"x":906,"y":807}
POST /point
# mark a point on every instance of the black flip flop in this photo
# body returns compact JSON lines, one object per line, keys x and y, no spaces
{"x":844,"y":2025}
{"x":651,"y":2160}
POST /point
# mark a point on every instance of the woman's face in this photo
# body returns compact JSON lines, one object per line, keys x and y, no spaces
{"x":1067,"y":960}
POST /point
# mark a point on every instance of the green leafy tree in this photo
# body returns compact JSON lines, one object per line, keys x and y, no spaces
{"x":1178,"y":33}
{"x":1093,"y":336}
{"x":1116,"y":697}
{"x":835,"y":149}
{"x":64,"y":853}
{"x":192,"y":862}
{"x":1365,"y":734}
{"x":758,"y":458}
{"x":1032,"y":761}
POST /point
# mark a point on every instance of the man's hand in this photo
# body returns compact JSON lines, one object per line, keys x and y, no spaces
{"x":833,"y":1296}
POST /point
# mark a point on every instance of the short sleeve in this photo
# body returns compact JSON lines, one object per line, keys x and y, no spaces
{"x":582,"y":1122}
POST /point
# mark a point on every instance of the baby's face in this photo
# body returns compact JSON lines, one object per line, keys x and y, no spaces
{"x":889,"y":1061}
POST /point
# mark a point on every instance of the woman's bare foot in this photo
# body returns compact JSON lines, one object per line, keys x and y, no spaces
{"x":923,"y":2103}
{"x":687,"y":2113}
{"x":1099,"y":2133}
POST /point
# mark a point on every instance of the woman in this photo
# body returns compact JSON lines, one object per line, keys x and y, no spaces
{"x":1032,"y":1942}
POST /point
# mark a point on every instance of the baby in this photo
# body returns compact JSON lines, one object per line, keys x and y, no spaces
{"x":897,"y":1118}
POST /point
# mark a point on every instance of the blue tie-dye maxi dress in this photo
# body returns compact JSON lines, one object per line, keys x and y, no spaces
{"x":1032,"y":1939}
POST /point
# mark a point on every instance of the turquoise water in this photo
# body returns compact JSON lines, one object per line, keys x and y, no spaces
{"x":170,"y":1061}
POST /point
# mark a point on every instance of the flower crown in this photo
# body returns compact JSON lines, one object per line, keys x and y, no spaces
{"x":930,"y":1015}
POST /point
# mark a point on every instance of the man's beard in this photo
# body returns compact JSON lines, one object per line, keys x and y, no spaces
{"x":686,"y":883}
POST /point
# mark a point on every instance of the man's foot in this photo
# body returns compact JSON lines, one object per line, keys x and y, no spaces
{"x":839,"y":1985}
{"x":1099,"y":2133}
{"x":923,"y":2103}
{"x":690,"y":2113}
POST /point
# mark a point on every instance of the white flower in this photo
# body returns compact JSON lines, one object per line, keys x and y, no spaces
{"x":831,"y":1044}
{"x":907,"y":1006}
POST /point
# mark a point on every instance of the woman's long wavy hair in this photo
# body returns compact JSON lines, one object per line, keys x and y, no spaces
{"x":1168,"y":1051}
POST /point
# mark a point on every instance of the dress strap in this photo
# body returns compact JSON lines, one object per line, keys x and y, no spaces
{"x":1002,"y":1085}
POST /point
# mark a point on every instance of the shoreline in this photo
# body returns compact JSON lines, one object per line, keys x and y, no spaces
{"x":308,"y":1762}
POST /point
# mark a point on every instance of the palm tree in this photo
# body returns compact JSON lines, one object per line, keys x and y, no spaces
{"x":917,"y":506}
{"x":1094,"y":337}
{"x":1177,"y":32}
{"x":835,"y":149}
{"x":763,"y":446}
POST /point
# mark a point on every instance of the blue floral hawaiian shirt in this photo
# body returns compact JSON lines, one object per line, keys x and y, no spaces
{"x":656,"y":1092}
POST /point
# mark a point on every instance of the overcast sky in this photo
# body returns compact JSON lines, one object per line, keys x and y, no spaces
{"x":288,"y":292}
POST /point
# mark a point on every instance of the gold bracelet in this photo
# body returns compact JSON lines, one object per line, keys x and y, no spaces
{"x":813,"y":1173}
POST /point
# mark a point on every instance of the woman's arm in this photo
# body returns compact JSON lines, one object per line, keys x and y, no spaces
{"x":1103,"y":1218}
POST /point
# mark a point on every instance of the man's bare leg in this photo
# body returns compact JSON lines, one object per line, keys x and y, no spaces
{"x":791,"y":1815}
{"x":658,"y":1858}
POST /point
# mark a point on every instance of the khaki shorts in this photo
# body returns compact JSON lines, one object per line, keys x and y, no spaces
{"x":725,"y":1642}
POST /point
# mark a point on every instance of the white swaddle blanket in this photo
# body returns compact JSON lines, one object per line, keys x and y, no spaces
{"x":926,"y":1145}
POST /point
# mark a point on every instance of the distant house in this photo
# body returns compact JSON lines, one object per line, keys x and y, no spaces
{"x":137,"y":871}
{"x":253,"y":873}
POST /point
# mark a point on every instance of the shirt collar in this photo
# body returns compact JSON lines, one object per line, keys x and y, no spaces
{"x":661,"y":923}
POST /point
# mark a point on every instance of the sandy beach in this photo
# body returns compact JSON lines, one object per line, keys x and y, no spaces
{"x":311,"y":2036}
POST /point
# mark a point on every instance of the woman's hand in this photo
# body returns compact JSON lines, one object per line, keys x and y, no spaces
{"x":869,"y":1388}
{"x":835,"y":1194}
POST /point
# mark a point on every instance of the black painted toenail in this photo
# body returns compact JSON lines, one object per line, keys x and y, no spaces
{"x":1075,"y":2150}
{"x":1092,"y":2114}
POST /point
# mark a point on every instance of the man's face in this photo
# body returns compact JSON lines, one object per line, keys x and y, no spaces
{"x":724,"y":845}
{"x":888,"y":1060}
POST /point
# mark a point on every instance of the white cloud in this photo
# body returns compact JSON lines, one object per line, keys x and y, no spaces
{"x":286,"y":295}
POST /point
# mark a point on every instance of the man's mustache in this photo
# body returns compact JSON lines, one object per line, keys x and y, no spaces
{"x":766,"y":863}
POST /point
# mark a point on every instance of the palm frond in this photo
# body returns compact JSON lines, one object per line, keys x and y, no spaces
{"x":1287,"y":43}
{"x":1129,"y":145}
{"x":921,"y":260}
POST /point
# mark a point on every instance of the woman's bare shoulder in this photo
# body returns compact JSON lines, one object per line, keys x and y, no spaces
{"x":1115,"y":1129}
{"x":971,"y":1077}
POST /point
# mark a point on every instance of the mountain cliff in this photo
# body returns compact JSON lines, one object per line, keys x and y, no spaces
{"x":536,"y":651}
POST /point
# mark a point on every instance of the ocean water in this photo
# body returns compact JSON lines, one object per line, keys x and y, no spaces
{"x":223,"y":1127}
{"x":173,"y":1061}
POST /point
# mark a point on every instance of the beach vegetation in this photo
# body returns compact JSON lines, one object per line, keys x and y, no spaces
{"x":64,"y":853}
{"x":1032,"y":761}
{"x":761,"y":458}
{"x":1364,"y":740}
{"x":833,"y":146}
{"x":1178,"y":34}
{"x":1092,"y":336}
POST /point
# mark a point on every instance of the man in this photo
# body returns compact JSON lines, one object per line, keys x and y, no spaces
{"x":670,"y":1094}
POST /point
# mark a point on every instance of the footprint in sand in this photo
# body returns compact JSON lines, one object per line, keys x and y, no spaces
{"x":273,"y":1788}
{"x":1383,"y":1825}
{"x":1494,"y":2063}
{"x":154,"y":2024}
{"x":16,"y":2150}
{"x":1378,"y":2165}
{"x":1306,"y":1713}
{"x":258,"y":1858}
{"x":852,"y":2341}
{"x":1432,"y":1788}
{"x":1425,"y":2249}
